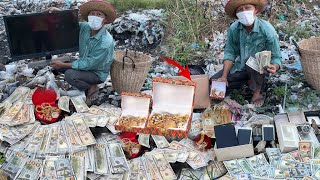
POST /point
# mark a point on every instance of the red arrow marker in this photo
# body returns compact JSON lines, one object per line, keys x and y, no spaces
{"x":183,"y":71}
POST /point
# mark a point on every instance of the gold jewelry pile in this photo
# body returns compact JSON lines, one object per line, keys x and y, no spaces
{"x":167,"y":121}
{"x":217,"y":96}
{"x":47,"y":112}
{"x":130,"y":147}
{"x":132,"y":121}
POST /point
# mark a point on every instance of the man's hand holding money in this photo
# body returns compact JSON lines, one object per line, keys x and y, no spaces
{"x":273,"y":68}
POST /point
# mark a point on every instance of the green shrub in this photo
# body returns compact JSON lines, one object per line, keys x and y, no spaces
{"x":125,"y":5}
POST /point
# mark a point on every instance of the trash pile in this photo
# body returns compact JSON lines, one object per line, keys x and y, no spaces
{"x":141,"y":31}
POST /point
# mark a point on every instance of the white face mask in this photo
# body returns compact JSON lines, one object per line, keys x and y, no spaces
{"x":95,"y":22}
{"x":246,"y":17}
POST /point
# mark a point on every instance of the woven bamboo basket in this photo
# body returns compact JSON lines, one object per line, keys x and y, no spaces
{"x":310,"y":60}
{"x":129,"y":71}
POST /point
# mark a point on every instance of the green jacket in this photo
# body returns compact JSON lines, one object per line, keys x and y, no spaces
{"x":96,"y":53}
{"x":241,"y":45}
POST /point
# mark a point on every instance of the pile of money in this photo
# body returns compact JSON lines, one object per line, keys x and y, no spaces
{"x":281,"y":166}
{"x":17,"y":109}
{"x":260,"y":61}
{"x":104,"y":156}
{"x":213,"y":171}
{"x":67,"y":136}
{"x":104,"y":115}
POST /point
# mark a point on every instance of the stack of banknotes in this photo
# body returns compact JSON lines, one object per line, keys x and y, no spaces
{"x":62,"y":154}
{"x":101,"y":156}
{"x":67,"y":136}
{"x":18,"y":109}
{"x":280,"y":166}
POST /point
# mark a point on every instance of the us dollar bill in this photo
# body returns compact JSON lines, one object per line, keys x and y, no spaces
{"x":246,"y":167}
{"x":151,"y":166}
{"x":63,"y":103}
{"x":18,"y":94}
{"x":45,"y":141}
{"x":134,"y":166}
{"x":264,"y":59}
{"x":37,"y":138}
{"x":112,"y":177}
{"x":143,"y":174}
{"x":253,"y":63}
{"x":14,"y":163}
{"x":233,"y":167}
{"x":90,"y":119}
{"x":93,"y":120}
{"x":117,"y":158}
{"x":78,"y":164}
{"x":32,"y":117}
{"x":14,"y":134}
{"x":170,"y":154}
{"x":164,"y":167}
{"x":274,"y":156}
{"x":89,"y":159}
{"x":63,"y":169}
{"x":84,"y":132}
{"x":48,"y":169}
{"x":183,"y":156}
{"x":177,"y":146}
{"x":10,"y":113}
{"x":287,"y":157}
{"x":30,"y":170}
{"x":100,"y":159}
{"x":160,"y":141}
{"x":95,"y":110}
{"x":19,"y":146}
{"x":63,"y":142}
{"x":144,"y":140}
{"x":73,"y":136}
{"x":52,"y":146}
{"x":102,"y":120}
{"x":79,"y":104}
{"x":279,"y":173}
{"x":315,"y":165}
{"x":22,"y":116}
{"x":188,"y":174}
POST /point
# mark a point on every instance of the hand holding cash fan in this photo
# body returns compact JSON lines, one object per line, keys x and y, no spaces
{"x":260,"y":62}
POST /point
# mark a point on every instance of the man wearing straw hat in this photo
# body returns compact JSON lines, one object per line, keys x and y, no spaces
{"x":96,"y":49}
{"x":246,"y":37}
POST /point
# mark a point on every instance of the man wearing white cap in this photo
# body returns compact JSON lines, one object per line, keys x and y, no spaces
{"x":96,"y":48}
{"x":246,"y":37}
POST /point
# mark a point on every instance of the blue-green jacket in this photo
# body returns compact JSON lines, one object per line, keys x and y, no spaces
{"x":96,"y":53}
{"x":241,"y":45}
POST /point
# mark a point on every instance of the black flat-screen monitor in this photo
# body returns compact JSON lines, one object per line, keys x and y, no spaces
{"x":42,"y":34}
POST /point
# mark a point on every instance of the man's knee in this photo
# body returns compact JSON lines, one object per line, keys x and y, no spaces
{"x":70,"y":75}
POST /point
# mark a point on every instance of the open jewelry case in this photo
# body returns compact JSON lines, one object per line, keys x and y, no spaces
{"x":134,"y":112}
{"x":172,"y":107}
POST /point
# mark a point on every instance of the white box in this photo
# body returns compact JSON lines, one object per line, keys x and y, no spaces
{"x":288,"y":137}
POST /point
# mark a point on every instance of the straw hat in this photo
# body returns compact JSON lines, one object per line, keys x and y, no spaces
{"x":98,"y":5}
{"x":232,"y":5}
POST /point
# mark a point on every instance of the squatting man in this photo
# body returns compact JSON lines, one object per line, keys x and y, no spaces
{"x":246,"y":37}
{"x":96,"y":49}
